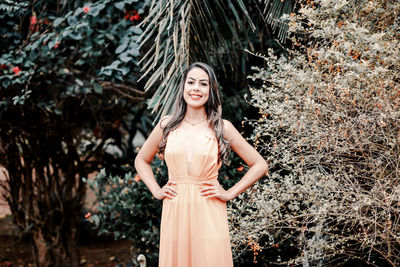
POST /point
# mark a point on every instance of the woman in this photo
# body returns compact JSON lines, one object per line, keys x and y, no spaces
{"x":194,"y":141}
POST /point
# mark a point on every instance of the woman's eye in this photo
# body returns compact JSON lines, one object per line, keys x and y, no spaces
{"x":204,"y":84}
{"x":190,"y":82}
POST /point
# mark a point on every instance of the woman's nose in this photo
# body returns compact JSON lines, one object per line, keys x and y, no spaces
{"x":195,"y":86}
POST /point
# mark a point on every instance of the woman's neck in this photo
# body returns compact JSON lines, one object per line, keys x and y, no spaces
{"x":195,"y":115}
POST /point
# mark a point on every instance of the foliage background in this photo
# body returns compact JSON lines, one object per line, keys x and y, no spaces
{"x":68,"y":74}
{"x":325,"y":114}
{"x":330,"y":128}
{"x":64,"y":111}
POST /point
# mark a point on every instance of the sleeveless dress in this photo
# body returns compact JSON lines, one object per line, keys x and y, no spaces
{"x":194,"y":229}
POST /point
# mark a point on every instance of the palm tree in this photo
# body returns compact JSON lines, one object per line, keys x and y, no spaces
{"x":177,"y":33}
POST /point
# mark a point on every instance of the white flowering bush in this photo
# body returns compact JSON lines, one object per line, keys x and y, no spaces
{"x":330,"y":130}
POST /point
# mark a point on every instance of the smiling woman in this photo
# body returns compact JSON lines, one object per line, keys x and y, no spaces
{"x":194,"y":141}
{"x":196,"y":88}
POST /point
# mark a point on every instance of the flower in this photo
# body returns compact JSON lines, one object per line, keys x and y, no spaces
{"x":87,"y":215}
{"x":16,"y":70}
{"x":33,"y":23}
{"x":33,"y":20}
{"x":132,"y":15}
{"x":125,"y":191}
{"x":137,"y":178}
{"x":136,"y":17}
{"x":240,"y":169}
{"x":86,"y":9}
{"x":57,"y":44}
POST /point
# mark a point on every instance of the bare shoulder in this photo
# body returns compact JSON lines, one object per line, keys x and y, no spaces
{"x":229,"y":129}
{"x":164,"y":121}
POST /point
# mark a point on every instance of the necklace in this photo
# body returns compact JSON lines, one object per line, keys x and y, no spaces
{"x":194,"y":123}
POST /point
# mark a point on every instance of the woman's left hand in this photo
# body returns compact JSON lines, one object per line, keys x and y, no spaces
{"x":214,"y":189}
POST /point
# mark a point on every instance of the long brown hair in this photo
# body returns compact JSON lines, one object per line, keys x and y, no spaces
{"x":213,"y":111}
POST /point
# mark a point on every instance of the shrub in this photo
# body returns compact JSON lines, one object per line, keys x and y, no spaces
{"x":127,"y":209}
{"x":330,"y":128}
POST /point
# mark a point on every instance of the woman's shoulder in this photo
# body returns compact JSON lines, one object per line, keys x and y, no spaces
{"x":228,"y":125}
{"x":229,"y":129}
{"x":164,"y":121}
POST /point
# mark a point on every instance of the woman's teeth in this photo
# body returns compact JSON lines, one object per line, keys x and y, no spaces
{"x":195,"y":97}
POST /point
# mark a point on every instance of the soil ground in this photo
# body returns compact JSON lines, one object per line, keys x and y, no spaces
{"x":17,"y":253}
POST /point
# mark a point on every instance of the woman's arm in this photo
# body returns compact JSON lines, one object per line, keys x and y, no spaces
{"x":143,"y":163}
{"x":258,"y":166}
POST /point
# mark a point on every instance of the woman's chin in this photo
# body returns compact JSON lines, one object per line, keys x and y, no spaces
{"x":195,"y":103}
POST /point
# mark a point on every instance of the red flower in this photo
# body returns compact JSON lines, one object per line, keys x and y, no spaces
{"x":87,"y":215}
{"x":4,"y":66}
{"x":136,"y":17}
{"x":57,"y":44}
{"x":86,"y":9}
{"x":46,"y":21}
{"x":33,"y":26}
{"x":240,"y":169}
{"x":132,"y":15}
{"x":96,"y":131}
{"x":33,"y":20}
{"x":137,"y":178}
{"x":16,"y":70}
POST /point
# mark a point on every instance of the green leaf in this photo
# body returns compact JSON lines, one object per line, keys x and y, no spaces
{"x":76,"y":35}
{"x":72,"y":20}
{"x":6,"y":83}
{"x":122,"y":47}
{"x":120,"y":5}
{"x":79,"y":82}
{"x":124,"y":57}
{"x":80,"y":62}
{"x":66,"y":32}
{"x":136,"y":30}
{"x":95,"y":10}
{"x":109,"y":36}
{"x":114,"y":65}
{"x":96,"y":220}
{"x":58,"y":21}
{"x":125,"y":70}
{"x":98,"y":89}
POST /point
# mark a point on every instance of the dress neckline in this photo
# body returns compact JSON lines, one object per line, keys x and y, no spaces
{"x":200,"y":136}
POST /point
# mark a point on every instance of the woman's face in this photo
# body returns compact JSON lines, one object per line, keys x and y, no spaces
{"x":196,"y":89}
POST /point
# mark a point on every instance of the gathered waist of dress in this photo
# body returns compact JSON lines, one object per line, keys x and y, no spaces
{"x":191,"y":179}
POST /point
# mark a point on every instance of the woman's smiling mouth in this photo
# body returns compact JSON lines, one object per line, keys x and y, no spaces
{"x":195,"y":96}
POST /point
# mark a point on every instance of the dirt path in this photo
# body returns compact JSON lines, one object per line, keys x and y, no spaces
{"x":17,"y":254}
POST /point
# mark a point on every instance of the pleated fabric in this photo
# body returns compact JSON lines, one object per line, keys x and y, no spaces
{"x":194,"y":229}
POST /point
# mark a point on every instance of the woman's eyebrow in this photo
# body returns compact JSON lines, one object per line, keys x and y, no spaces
{"x":203,"y":80}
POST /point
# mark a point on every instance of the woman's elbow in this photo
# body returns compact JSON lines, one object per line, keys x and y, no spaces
{"x":264,"y":167}
{"x":137,"y":161}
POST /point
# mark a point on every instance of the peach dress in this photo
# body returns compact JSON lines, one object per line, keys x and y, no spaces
{"x":194,"y":229}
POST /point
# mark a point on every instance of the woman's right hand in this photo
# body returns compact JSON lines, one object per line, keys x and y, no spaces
{"x":167,"y":191}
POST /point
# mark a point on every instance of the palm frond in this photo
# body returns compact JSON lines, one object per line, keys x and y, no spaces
{"x":273,"y":11}
{"x":180,"y":32}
